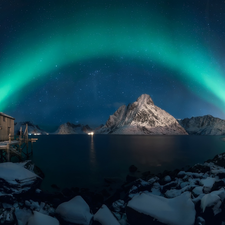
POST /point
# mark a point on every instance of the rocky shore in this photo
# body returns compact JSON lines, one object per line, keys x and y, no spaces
{"x":192,"y":196}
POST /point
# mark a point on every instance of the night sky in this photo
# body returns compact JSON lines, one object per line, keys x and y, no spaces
{"x":79,"y":60}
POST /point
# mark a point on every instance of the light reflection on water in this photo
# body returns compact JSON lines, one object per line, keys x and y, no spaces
{"x":93,"y":160}
{"x":84,"y":161}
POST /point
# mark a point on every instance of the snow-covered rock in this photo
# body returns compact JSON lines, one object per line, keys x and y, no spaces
{"x":104,"y":217}
{"x":167,"y":211}
{"x":32,"y":128}
{"x":142,"y":117}
{"x":75,"y":211}
{"x":207,"y":184}
{"x":213,"y":200}
{"x":41,"y":219}
{"x":70,"y":128}
{"x":15,"y":179}
{"x":167,"y":178}
{"x":203,"y":125}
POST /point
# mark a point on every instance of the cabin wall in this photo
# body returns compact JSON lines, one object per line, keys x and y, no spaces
{"x":6,"y":127}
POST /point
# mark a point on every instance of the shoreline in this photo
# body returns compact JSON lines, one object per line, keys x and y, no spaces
{"x":200,"y":181}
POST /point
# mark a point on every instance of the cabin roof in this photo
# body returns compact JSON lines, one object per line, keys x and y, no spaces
{"x":3,"y":114}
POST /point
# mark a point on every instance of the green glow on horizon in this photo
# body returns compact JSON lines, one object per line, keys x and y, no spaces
{"x":147,"y":37}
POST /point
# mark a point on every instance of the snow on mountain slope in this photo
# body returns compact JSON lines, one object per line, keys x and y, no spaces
{"x":32,"y":129}
{"x":203,"y":125}
{"x":142,"y":117}
{"x":70,"y":128}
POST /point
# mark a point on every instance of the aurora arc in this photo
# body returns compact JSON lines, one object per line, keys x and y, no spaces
{"x":144,"y":38}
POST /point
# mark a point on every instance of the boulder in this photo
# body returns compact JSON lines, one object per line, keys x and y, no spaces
{"x":207,"y":184}
{"x":152,"y":209}
{"x":104,"y":217}
{"x":75,"y":211}
{"x":41,"y":219}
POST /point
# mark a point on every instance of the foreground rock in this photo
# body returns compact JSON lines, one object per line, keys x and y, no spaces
{"x":75,"y":211}
{"x":15,"y":179}
{"x":149,"y":209}
{"x":195,"y":196}
{"x":142,"y":117}
{"x":203,"y":125}
{"x":41,"y":219}
{"x":104,"y":217}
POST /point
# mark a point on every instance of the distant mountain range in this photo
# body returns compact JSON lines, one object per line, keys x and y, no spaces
{"x":70,"y":128}
{"x":32,"y":129}
{"x":203,"y":125}
{"x":142,"y":118}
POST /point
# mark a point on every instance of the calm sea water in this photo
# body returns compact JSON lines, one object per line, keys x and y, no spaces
{"x":84,"y":161}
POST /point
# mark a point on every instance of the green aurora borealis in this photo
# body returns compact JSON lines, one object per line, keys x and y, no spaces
{"x":133,"y":33}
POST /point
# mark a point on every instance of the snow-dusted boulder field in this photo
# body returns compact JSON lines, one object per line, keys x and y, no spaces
{"x":203,"y":125}
{"x":142,"y":117}
{"x":195,"y":196}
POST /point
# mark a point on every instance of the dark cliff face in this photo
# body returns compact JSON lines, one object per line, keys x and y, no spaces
{"x":203,"y":125}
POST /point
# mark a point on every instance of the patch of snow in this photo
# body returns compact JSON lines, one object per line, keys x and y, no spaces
{"x":11,"y":172}
{"x":105,"y":217}
{"x":168,"y":211}
{"x":75,"y":211}
{"x":167,"y":178}
{"x":197,"y":191}
{"x":207,"y":184}
{"x":210,"y":199}
{"x":156,"y":189}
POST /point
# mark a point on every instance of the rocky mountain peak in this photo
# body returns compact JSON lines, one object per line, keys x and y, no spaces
{"x":145,"y":99}
{"x":142,"y":117}
{"x":203,"y":125}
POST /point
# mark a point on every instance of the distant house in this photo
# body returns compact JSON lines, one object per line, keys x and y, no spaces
{"x":6,"y":126}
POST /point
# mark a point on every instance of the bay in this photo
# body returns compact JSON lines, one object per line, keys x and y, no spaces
{"x":84,"y":161}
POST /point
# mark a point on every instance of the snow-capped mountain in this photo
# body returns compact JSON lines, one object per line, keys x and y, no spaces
{"x":142,"y":117}
{"x":70,"y":128}
{"x":203,"y":125}
{"x":32,"y":129}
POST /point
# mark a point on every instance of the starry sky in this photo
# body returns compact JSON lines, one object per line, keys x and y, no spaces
{"x":79,"y":60}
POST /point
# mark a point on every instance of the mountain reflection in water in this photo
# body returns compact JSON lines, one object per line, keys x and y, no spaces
{"x":84,"y":161}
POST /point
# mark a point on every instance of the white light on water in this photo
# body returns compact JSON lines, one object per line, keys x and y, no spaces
{"x":91,"y":133}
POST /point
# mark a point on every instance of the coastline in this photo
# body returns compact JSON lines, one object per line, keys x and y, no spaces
{"x":201,"y":185}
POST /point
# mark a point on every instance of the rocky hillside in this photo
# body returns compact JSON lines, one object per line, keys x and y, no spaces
{"x":203,"y":125}
{"x":32,"y":129}
{"x":70,"y":128}
{"x":142,"y":117}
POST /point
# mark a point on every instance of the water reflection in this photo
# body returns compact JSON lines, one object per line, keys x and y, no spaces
{"x":92,"y":155}
{"x":144,"y":151}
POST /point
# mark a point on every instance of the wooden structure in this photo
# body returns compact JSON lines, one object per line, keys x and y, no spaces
{"x":22,"y":147}
{"x":6,"y":127}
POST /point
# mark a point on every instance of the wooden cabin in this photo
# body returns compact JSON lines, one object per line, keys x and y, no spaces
{"x":6,"y":127}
